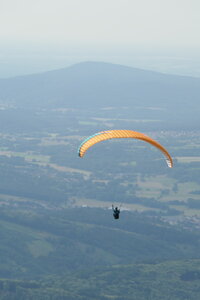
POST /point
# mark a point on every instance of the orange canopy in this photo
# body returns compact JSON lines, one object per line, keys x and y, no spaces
{"x":110,"y":134}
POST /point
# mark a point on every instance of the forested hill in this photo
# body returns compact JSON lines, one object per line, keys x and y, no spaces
{"x":101,"y":84}
{"x":84,"y":254}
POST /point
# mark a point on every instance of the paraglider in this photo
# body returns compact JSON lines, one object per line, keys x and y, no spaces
{"x":110,"y":134}
{"x":116,"y":212}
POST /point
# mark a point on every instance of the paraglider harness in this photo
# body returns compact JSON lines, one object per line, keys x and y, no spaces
{"x":116,"y":212}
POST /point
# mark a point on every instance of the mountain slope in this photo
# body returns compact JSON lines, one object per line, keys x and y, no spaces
{"x":101,"y":84}
{"x":40,"y":243}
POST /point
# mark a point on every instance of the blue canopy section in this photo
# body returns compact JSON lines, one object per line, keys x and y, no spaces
{"x":87,"y":139}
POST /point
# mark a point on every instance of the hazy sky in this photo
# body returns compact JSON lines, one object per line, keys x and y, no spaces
{"x":81,"y":27}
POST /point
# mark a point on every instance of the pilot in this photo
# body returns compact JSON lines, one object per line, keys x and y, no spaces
{"x":116,"y":212}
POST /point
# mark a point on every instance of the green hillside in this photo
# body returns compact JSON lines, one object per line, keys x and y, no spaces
{"x":36,"y":244}
{"x":175,"y":280}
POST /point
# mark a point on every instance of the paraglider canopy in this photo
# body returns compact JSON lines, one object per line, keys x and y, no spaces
{"x":110,"y":134}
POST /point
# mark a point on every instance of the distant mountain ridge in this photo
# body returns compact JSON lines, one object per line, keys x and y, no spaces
{"x":101,"y":84}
